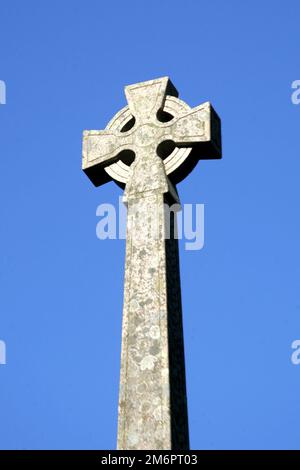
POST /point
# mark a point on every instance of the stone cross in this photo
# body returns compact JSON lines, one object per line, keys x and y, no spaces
{"x":147,"y":148}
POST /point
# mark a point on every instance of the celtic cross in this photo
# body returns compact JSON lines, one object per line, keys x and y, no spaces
{"x":147,"y":148}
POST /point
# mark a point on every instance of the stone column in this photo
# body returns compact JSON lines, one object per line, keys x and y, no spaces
{"x":152,"y":401}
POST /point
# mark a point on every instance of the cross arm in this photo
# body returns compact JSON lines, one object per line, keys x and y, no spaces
{"x":145,"y":99}
{"x":100,"y":149}
{"x":200,"y":128}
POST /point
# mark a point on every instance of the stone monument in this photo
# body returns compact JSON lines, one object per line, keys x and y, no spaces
{"x":147,"y":148}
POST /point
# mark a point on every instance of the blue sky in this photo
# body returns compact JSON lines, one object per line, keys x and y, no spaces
{"x":65,"y":65}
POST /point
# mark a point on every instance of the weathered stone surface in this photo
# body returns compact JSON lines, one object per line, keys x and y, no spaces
{"x":165,"y":137}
